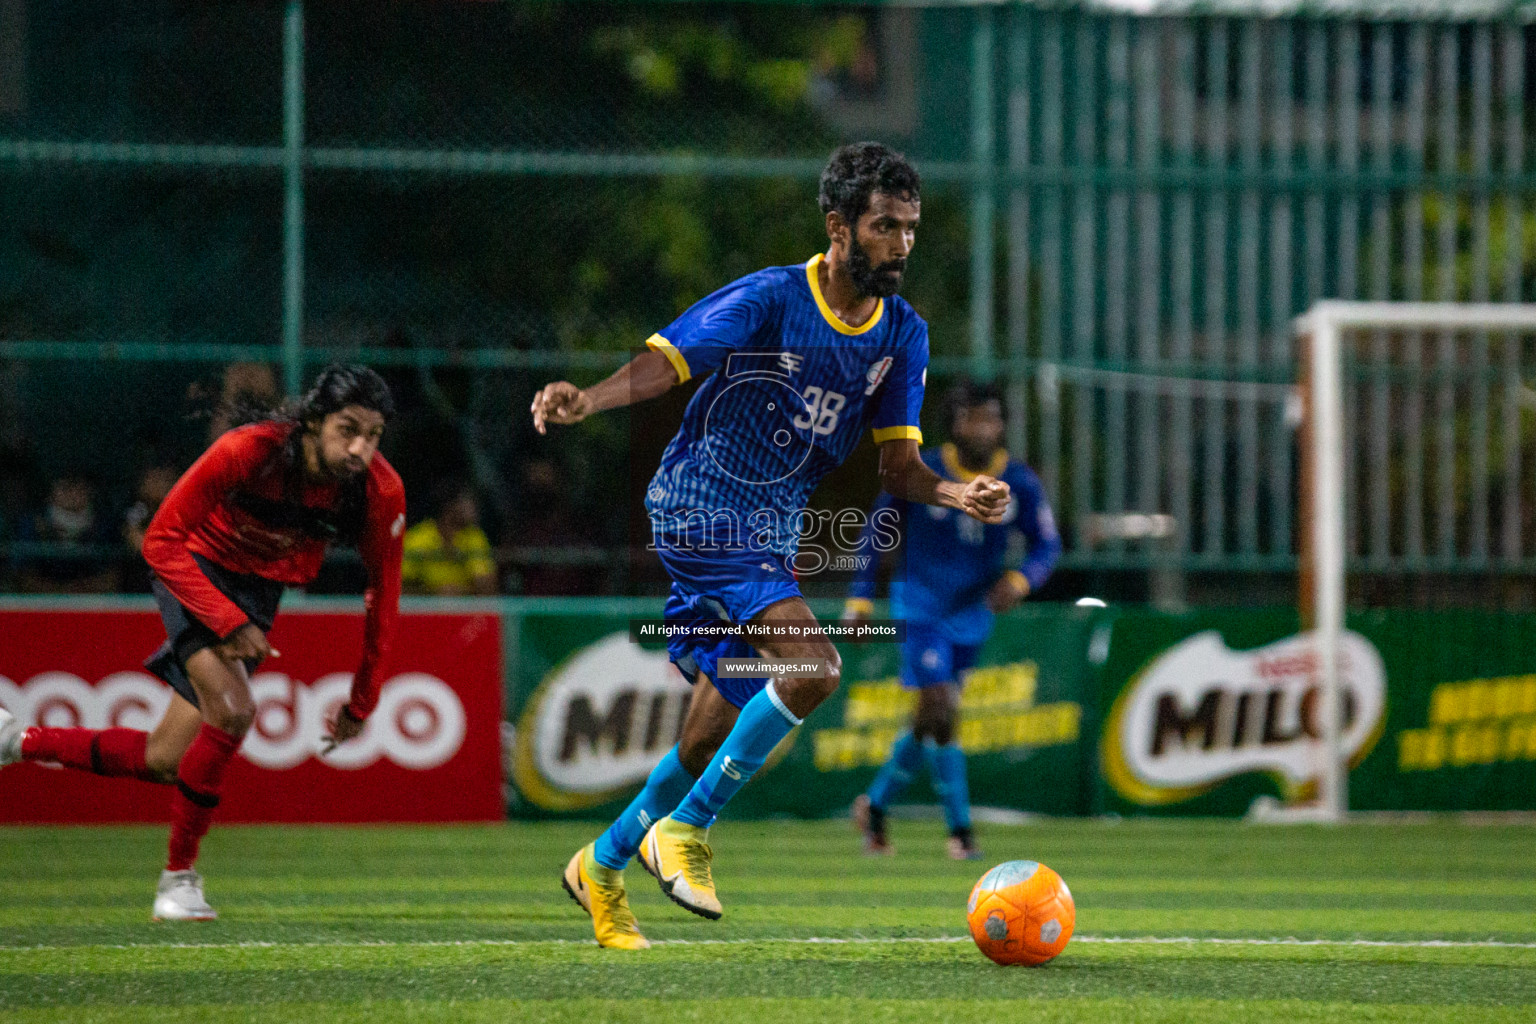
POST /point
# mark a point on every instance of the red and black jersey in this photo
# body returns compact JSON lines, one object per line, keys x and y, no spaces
{"x":236,"y":507}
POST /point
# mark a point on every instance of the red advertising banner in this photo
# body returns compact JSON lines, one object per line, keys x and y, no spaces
{"x":430,"y":752}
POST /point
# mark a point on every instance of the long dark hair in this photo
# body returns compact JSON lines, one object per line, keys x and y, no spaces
{"x":336,"y":388}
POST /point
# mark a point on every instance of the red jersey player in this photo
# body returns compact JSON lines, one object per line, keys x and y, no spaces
{"x":253,"y":515}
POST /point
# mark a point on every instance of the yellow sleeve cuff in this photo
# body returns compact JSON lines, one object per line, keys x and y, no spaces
{"x":884,"y":434}
{"x":1020,"y":581}
{"x":674,"y":357}
{"x":859,"y":606}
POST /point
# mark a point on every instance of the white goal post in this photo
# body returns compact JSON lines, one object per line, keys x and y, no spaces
{"x":1322,"y":331}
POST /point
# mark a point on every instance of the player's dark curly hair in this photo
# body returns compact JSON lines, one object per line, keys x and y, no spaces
{"x":336,"y":388}
{"x":340,"y":386}
{"x":859,"y":170}
{"x":967,"y":394}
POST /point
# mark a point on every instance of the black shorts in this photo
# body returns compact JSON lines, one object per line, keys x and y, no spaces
{"x":256,"y":596}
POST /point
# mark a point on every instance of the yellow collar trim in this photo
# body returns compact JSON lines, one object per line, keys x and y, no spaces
{"x":826,"y":311}
{"x":952,"y":465}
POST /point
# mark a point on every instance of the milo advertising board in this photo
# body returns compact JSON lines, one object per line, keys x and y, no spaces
{"x":1215,"y":711}
{"x":1207,"y":712}
{"x":1070,"y":711}
{"x":592,"y":712}
{"x":1460,"y":729}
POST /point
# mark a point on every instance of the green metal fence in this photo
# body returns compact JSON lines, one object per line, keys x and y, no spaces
{"x":1123,"y":214}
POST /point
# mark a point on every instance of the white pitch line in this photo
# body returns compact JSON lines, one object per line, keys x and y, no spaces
{"x":1158,"y":940}
{"x":1116,"y":940}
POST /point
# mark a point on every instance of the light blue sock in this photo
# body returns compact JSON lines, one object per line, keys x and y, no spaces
{"x":947,"y":763}
{"x":762,"y":724}
{"x":896,"y":774}
{"x":668,"y":784}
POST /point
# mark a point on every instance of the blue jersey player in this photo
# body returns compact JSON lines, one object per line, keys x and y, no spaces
{"x":796,"y":364}
{"x":954,"y":577}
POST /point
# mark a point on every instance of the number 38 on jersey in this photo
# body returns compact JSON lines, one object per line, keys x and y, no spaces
{"x":821,"y":410}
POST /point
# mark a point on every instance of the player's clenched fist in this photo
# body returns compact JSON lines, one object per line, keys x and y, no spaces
{"x":561,"y":402}
{"x":986,"y":498}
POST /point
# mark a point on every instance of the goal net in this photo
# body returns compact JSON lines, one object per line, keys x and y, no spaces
{"x":1416,"y":461}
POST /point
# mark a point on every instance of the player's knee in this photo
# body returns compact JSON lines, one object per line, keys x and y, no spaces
{"x":942,"y":730}
{"x":926,"y":727}
{"x":238,"y":723}
{"x":935,"y":718}
{"x":241,"y":721}
{"x":834,"y":670}
{"x":233,"y":718}
{"x":831,"y":676}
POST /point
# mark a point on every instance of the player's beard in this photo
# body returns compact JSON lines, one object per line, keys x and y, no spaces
{"x":344,"y":470}
{"x":876,"y":282}
{"x":975,"y":455}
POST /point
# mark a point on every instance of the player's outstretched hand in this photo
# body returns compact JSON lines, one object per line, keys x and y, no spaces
{"x":1007,"y":592}
{"x":245,"y":644}
{"x":986,"y":498}
{"x":561,"y":402}
{"x":341,"y":728}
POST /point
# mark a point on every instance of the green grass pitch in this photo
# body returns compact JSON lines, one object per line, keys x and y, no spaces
{"x":1400,"y":922}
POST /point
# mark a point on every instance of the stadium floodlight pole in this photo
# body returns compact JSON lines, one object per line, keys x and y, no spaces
{"x":1324,"y":325}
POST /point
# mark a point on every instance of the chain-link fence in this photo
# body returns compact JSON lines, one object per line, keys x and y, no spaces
{"x":1120,"y":216}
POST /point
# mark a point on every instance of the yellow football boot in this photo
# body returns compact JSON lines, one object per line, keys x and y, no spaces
{"x":679,"y":858}
{"x":600,"y":891}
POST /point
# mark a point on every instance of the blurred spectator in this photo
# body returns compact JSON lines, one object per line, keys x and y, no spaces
{"x":79,"y":533}
{"x":449,"y":554}
{"x":18,"y":478}
{"x":545,"y":522}
{"x":155,"y":483}
{"x":18,"y":482}
{"x":245,"y":384}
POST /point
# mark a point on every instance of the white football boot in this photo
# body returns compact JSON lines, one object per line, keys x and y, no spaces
{"x":180,"y":898}
{"x":11,"y":732}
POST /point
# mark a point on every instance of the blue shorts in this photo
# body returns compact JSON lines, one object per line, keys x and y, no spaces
{"x":719,"y":588}
{"x":930,"y":658}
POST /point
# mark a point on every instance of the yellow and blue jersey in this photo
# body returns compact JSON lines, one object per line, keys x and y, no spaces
{"x":949,"y":561}
{"x":790,"y":390}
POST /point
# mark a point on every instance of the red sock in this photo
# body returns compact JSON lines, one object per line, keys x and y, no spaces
{"x":198,"y":783}
{"x":116,"y":753}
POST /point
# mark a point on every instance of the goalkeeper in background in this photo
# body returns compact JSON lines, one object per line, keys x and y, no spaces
{"x":954,"y":581}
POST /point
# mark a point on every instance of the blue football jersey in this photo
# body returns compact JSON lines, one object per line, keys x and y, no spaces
{"x":790,"y":390}
{"x":949,"y":561}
